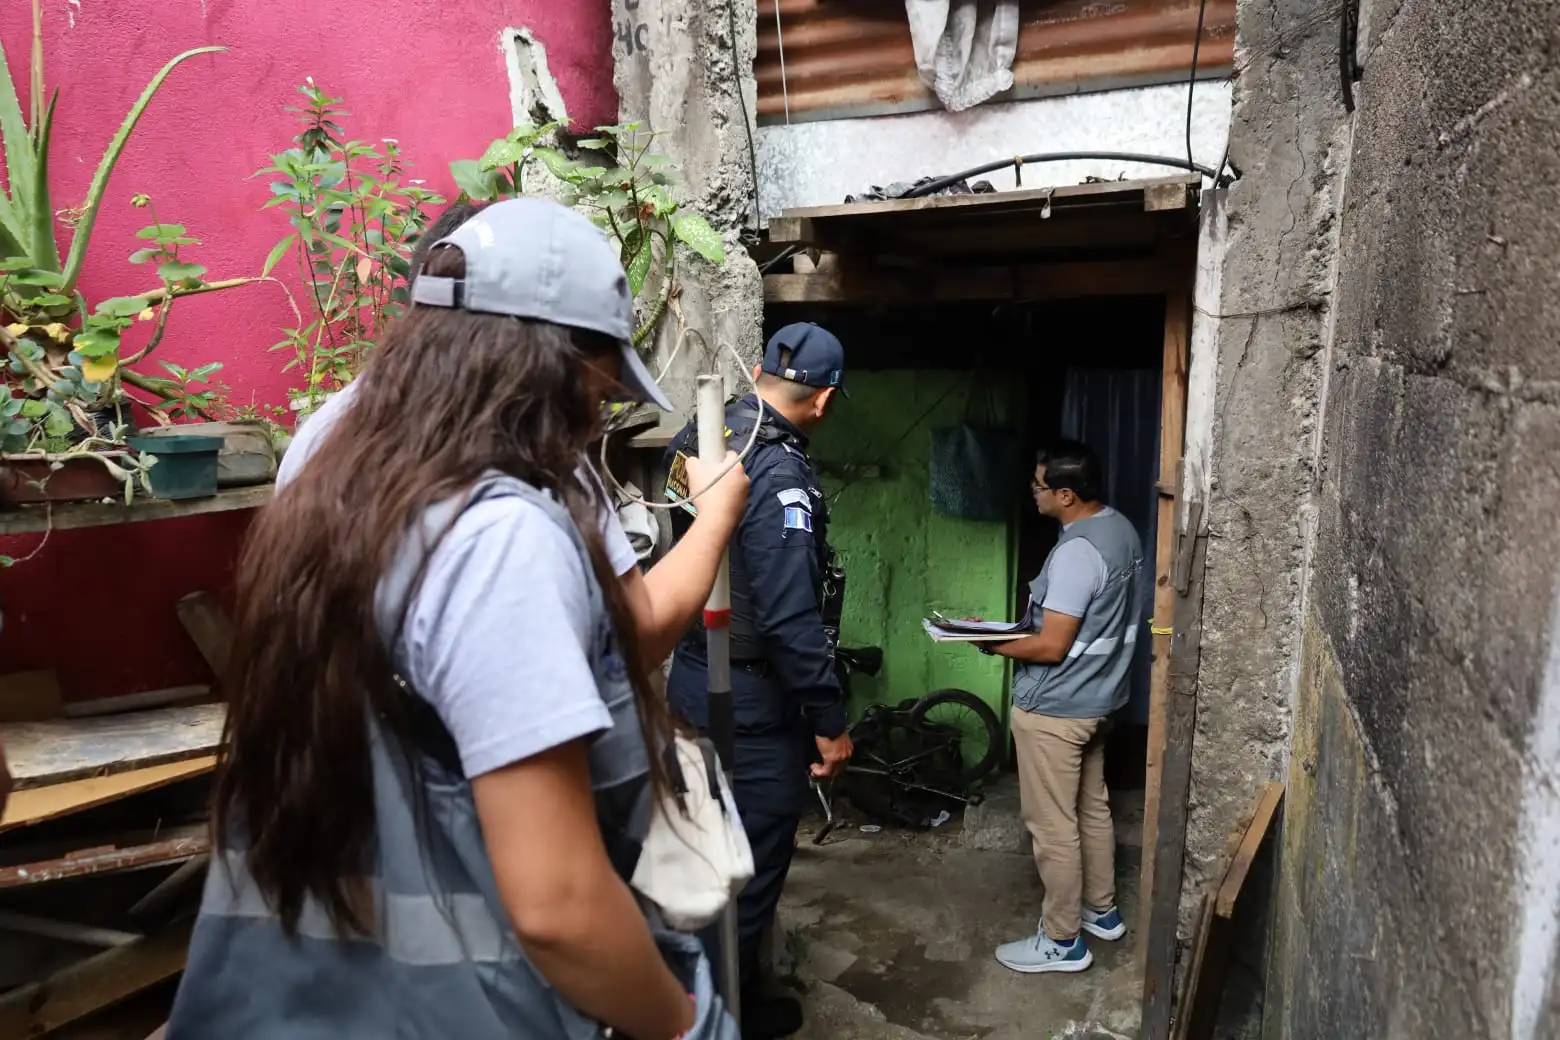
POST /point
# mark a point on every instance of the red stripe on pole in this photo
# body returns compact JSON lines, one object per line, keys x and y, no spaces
{"x":717,"y":618}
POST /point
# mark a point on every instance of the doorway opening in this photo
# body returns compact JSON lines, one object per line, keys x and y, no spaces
{"x":1041,"y":314}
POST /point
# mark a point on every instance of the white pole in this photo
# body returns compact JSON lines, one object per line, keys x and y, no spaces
{"x":717,"y":626}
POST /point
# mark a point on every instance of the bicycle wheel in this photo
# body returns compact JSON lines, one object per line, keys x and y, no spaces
{"x":971,"y":720}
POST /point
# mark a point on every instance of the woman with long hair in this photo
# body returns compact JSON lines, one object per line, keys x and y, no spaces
{"x":441,"y":738}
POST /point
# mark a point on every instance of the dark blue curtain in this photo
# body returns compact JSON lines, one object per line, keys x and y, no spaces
{"x":1116,"y":412}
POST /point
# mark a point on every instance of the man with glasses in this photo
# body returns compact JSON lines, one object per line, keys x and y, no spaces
{"x":1069,"y":677}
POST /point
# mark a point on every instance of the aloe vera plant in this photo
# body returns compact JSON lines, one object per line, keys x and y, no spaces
{"x":63,"y":360}
{"x":27,"y":218}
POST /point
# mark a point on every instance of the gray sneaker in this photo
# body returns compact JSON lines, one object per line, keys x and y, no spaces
{"x":1040,"y":953}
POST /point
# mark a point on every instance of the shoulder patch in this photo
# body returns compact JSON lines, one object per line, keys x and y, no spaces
{"x":677,"y":483}
{"x":794,"y":497}
{"x":798,"y":519}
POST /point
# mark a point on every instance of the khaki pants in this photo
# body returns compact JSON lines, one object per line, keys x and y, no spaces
{"x":1061,"y":775}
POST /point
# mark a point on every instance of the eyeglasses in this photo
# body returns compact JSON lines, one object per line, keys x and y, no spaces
{"x":1035,"y":487}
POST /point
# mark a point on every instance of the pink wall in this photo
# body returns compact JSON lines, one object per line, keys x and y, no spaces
{"x":427,"y":72}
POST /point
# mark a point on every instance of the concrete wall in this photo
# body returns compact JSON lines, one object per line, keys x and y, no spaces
{"x":431,"y":74}
{"x":819,"y":163}
{"x":902,"y":559}
{"x":1421,"y":867}
{"x":681,"y":71}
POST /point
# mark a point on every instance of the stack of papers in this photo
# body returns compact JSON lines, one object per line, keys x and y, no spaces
{"x":948,"y":630}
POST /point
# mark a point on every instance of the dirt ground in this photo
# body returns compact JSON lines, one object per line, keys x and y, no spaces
{"x":891,"y":935}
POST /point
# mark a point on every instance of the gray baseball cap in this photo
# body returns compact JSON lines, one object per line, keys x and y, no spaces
{"x":533,"y":258}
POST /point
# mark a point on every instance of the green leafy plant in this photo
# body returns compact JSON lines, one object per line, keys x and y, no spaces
{"x":355,"y":219}
{"x":500,"y":173}
{"x":182,"y":400}
{"x":621,"y":185}
{"x":65,"y":363}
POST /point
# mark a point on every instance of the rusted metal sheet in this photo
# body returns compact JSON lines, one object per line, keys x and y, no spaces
{"x":854,"y":57}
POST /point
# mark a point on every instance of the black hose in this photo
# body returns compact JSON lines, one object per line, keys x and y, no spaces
{"x":1040,"y":157}
{"x":1191,"y":83}
{"x":747,"y":123}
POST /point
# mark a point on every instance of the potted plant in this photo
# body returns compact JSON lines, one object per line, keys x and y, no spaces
{"x":64,"y":412}
{"x":355,"y":219}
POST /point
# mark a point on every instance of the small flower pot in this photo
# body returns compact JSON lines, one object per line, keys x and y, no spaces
{"x":186,"y":465}
{"x":36,"y":478}
{"x":248,"y":456}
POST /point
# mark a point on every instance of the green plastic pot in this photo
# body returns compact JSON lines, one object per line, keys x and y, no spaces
{"x":186,"y":465}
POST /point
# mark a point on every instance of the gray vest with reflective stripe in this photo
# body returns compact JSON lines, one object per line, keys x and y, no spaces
{"x":444,"y":960}
{"x":1094,"y":679}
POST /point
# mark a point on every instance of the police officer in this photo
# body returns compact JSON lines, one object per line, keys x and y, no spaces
{"x":787,"y":701}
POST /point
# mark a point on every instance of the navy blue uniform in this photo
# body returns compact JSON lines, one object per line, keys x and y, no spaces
{"x":784,"y":688}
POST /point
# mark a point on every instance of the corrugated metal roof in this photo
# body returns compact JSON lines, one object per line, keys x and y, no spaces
{"x":854,"y":57}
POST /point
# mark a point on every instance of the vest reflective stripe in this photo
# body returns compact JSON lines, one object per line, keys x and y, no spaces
{"x":1103,"y":645}
{"x":411,"y":929}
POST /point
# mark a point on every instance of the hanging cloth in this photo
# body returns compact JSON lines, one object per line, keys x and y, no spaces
{"x":964,"y":48}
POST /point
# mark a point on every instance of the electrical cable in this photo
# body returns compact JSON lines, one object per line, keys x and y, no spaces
{"x":1191,"y":83}
{"x":679,"y":501}
{"x":747,"y":122}
{"x":785,"y":254}
{"x":931,"y":187}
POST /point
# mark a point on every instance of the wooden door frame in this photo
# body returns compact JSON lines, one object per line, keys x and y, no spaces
{"x":1176,"y":627}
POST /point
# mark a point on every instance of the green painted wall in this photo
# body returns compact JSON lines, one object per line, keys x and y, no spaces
{"x":902,"y":560}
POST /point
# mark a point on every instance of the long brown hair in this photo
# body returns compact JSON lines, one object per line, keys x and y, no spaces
{"x":448,"y":397}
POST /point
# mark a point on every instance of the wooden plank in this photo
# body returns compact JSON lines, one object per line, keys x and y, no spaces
{"x":797,"y":230}
{"x":1251,"y":842}
{"x":1172,"y":416}
{"x":66,"y":931}
{"x":142,"y":701}
{"x":1186,"y":992}
{"x":30,"y":696}
{"x":209,"y":626}
{"x":1207,"y":936}
{"x":1159,"y":198}
{"x":68,"y":516}
{"x":856,"y":286}
{"x":1202,"y":984}
{"x":93,"y":984}
{"x":1125,"y":192}
{"x":42,"y":753}
{"x":1173,"y":776}
{"x":161,"y":903}
{"x":1198,"y":1016}
{"x":186,"y":842}
{"x":37,"y":804}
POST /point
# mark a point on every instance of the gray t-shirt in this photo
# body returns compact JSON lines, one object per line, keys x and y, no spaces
{"x":620,"y":551}
{"x":1077,"y":574}
{"x":499,"y":636}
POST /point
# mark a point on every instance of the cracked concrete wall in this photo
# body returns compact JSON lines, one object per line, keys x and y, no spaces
{"x":1420,"y":890}
{"x":1289,"y":136}
{"x":681,"y":71}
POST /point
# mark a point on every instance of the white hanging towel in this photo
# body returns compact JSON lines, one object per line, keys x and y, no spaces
{"x":964,"y":48}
